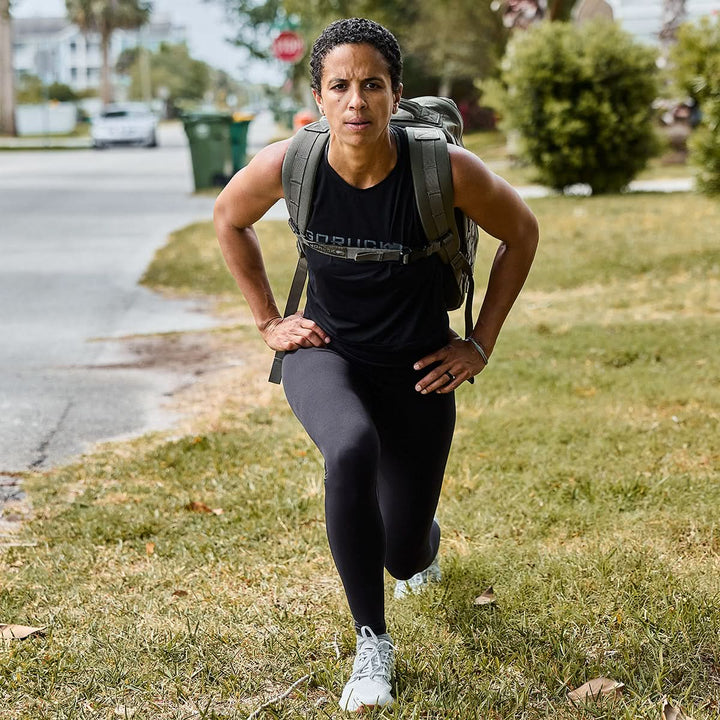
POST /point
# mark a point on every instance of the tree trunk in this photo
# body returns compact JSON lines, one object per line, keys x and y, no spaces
{"x":105,"y":82}
{"x":445,"y":87}
{"x":7,"y":88}
{"x":674,"y":15}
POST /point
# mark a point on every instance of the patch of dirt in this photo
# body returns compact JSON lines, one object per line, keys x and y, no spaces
{"x":221,"y":373}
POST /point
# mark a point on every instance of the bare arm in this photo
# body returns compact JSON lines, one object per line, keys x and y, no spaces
{"x":497,"y":208}
{"x":245,"y":199}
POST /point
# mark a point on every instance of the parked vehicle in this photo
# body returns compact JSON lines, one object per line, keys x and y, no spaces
{"x":128,"y":124}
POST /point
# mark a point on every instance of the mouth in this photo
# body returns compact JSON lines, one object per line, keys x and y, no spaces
{"x":358,"y":124}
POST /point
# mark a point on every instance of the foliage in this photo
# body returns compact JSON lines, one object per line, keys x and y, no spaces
{"x":171,"y":67}
{"x":696,"y":62}
{"x":581,"y":100}
{"x":443,"y":41}
{"x":104,"y":17}
{"x":456,"y":39}
{"x":30,"y":90}
{"x":61,"y":92}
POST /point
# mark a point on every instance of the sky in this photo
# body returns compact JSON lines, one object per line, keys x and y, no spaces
{"x":207,"y":29}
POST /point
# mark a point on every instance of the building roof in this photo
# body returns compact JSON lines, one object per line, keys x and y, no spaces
{"x":23,"y":27}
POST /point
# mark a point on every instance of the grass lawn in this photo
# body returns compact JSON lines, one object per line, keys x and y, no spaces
{"x":582,"y":486}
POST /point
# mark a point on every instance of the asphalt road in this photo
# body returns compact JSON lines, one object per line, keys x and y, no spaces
{"x":77,"y":230}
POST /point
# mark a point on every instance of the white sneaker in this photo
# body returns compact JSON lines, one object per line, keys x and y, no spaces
{"x":419,"y":581}
{"x":371,"y":678}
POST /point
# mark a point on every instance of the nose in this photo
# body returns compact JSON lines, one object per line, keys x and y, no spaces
{"x":357,"y":99}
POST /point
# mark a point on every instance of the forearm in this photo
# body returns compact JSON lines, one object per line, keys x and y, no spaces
{"x":509,"y":270}
{"x":241,"y":250}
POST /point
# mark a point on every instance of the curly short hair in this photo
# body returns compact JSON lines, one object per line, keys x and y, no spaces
{"x":356,"y":31}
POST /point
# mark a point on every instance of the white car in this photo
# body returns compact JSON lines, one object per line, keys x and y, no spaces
{"x":124,"y":125}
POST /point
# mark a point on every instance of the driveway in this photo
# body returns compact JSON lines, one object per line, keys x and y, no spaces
{"x":78,"y":229}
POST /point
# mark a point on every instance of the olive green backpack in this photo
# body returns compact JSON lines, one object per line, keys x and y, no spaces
{"x":431,"y":123}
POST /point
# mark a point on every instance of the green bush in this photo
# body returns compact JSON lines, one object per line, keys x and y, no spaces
{"x":696,"y":63}
{"x":61,"y":92}
{"x":581,"y":98}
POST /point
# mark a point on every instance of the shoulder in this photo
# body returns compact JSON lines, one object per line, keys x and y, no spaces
{"x":263,"y":174}
{"x":268,"y":162}
{"x":487,"y":198}
{"x":255,"y":188}
{"x":468,"y":168}
{"x":473,"y":180}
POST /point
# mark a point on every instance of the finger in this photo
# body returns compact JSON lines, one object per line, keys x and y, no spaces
{"x":432,"y":381}
{"x":309,"y":338}
{"x":454,"y":383}
{"x":313,"y":329}
{"x":436,"y":357}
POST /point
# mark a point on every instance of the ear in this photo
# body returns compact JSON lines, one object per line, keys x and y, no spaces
{"x":318,"y":100}
{"x":396,"y":97}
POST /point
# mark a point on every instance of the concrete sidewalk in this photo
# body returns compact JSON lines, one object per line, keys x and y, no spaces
{"x":49,"y":142}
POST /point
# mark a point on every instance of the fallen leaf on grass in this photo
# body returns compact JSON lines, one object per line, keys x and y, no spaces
{"x":19,"y":632}
{"x":672,"y":713}
{"x":150,"y":548}
{"x":487,"y":598}
{"x":201,"y":507}
{"x":180,"y":593}
{"x":595,"y":689}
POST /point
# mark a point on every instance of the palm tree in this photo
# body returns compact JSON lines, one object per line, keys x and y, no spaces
{"x":104,"y":17}
{"x":7,"y":90}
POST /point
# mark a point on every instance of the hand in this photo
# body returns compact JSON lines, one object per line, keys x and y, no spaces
{"x":458,"y":358}
{"x":293,"y":332}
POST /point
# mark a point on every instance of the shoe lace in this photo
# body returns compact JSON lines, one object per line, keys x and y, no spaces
{"x":374,"y":657}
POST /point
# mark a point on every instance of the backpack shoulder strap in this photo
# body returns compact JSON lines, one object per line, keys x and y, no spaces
{"x":434,"y":196}
{"x":298,"y":178}
{"x":294,"y":295}
{"x":432,"y":181}
{"x":299,"y":169}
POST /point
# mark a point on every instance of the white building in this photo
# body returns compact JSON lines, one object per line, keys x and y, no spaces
{"x":643,"y":18}
{"x":57,"y":51}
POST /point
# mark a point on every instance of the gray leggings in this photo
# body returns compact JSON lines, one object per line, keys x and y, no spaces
{"x":385,"y":448}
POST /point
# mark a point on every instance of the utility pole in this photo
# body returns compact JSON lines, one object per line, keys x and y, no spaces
{"x":7,"y":86}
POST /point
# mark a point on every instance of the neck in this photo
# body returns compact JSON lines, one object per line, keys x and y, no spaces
{"x":366,"y":165}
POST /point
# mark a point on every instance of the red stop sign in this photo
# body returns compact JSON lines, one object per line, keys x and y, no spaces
{"x":288,"y":46}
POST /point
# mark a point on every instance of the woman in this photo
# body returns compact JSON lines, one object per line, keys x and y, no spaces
{"x":371,"y":364}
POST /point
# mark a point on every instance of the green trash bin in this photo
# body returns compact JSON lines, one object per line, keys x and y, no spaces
{"x":209,"y":138}
{"x":238,"y":139}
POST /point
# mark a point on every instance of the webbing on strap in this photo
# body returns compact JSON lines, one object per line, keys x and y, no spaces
{"x":298,"y":178}
{"x":296,"y":288}
{"x":432,"y":182}
{"x":299,"y":169}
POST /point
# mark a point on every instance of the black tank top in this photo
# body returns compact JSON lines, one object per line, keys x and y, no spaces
{"x":382,"y":313}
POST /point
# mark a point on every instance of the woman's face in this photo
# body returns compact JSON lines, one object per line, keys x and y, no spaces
{"x":356,"y":93}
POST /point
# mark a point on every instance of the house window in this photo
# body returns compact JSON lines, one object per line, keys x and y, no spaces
{"x":73,"y":46}
{"x":73,"y":73}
